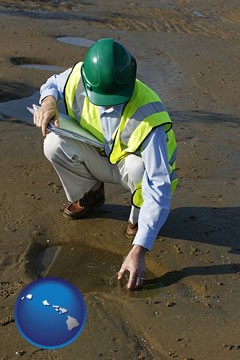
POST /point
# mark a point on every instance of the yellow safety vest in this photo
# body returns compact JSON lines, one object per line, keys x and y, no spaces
{"x":141,"y":115}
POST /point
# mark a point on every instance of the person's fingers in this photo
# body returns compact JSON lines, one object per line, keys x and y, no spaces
{"x":42,"y":119}
{"x":44,"y":128}
{"x":34,"y":118}
{"x":139,"y":281}
{"x":132,"y":280}
{"x":120,"y":273}
{"x":56,"y":120}
{"x":120,"y":278}
{"x":122,"y":269}
{"x":42,"y":122}
{"x":44,"y":114}
{"x":37,"y":118}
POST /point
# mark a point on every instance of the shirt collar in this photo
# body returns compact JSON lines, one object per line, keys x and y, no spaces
{"x":117,"y":108}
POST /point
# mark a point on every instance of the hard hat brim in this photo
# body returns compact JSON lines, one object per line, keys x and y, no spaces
{"x":110,"y":99}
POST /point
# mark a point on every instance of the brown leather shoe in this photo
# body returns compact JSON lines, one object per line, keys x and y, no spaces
{"x":80,"y":208}
{"x":131,"y":230}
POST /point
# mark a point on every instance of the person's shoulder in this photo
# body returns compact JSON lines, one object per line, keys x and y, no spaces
{"x":143,"y":86}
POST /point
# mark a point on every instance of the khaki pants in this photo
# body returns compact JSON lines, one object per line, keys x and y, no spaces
{"x":81,"y":168}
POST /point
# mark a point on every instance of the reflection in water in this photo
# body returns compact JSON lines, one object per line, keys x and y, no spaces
{"x":41,"y":67}
{"x":76,"y":41}
{"x":46,"y":258}
{"x":90,"y":270}
{"x":26,"y":62}
{"x":17,"y":109}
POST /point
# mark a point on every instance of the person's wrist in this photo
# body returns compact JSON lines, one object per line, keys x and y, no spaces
{"x":141,"y":250}
{"x":49,"y":100}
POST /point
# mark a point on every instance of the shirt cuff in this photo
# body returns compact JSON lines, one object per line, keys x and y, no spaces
{"x":49,"y":92}
{"x":145,"y":238}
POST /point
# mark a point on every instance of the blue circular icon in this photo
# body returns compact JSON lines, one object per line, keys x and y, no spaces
{"x":50,"y":313}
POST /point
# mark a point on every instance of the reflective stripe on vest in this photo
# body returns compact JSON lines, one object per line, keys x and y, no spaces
{"x":79,"y":107}
{"x":73,"y":86}
{"x":142,"y":113}
{"x":137,"y":199}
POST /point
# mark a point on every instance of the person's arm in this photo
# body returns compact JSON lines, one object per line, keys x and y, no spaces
{"x":156,"y":190}
{"x":54,"y":86}
{"x":50,"y":93}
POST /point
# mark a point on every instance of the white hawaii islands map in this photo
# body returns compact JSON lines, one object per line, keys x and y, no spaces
{"x":72,"y":323}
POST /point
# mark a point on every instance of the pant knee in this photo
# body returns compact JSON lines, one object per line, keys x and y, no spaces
{"x":51,"y":145}
{"x":135,"y":168}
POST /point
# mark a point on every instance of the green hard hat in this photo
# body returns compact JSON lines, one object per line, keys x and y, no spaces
{"x":108,"y":73}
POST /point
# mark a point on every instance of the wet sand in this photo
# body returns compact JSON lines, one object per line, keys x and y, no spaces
{"x":189,"y":307}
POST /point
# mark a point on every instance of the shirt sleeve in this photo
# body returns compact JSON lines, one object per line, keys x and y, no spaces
{"x":156,"y":189}
{"x":54,"y":86}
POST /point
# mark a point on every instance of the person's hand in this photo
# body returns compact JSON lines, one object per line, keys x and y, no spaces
{"x":134,"y":263}
{"x":47,"y":112}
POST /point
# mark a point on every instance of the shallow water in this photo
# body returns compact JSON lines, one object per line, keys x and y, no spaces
{"x":41,"y":67}
{"x":90,"y":269}
{"x":18,"y":108}
{"x":76,"y":41}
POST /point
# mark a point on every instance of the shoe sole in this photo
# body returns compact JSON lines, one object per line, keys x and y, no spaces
{"x":76,"y":216}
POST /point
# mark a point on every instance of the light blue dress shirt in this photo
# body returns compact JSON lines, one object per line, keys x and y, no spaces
{"x":110,"y":119}
{"x":156,"y":184}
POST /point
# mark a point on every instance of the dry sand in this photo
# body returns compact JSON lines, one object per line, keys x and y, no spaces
{"x":189,"y":308}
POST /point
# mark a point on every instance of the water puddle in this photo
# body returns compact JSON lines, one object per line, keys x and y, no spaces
{"x":46,"y":258}
{"x":41,"y":67}
{"x":17,"y":109}
{"x":32,"y":63}
{"x":76,"y":41}
{"x":90,"y":269}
